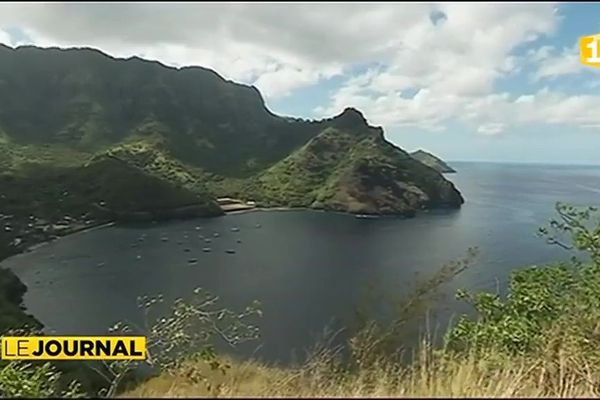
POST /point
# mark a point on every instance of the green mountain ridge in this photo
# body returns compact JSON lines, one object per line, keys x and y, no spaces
{"x":359,"y":172}
{"x":209,"y":136}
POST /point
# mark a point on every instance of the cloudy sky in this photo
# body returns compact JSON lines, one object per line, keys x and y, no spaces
{"x":495,"y":82}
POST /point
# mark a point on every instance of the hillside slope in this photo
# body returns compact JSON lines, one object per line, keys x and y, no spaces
{"x":88,"y":100}
{"x":349,"y":166}
{"x":432,"y":161}
{"x":196,"y":130}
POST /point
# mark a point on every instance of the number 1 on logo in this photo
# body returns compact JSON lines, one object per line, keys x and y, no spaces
{"x":593,"y":46}
{"x":589,"y":50}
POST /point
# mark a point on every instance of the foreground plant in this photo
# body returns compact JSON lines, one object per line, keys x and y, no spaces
{"x":556,"y":304}
{"x":19,"y":379}
{"x":190,"y":328}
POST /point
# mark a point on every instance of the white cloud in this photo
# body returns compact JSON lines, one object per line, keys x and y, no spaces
{"x":454,"y":65}
{"x":543,"y":107}
{"x":552,"y":64}
{"x":4,"y":37}
{"x":491,"y":128}
{"x":278,"y":47}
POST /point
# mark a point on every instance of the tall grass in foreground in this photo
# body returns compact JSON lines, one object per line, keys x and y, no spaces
{"x":438,"y":374}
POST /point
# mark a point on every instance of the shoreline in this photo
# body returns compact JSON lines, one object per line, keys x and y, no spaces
{"x":255,"y":209}
{"x":72,"y":233}
{"x":108,"y":224}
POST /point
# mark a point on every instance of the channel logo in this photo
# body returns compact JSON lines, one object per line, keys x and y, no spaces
{"x":73,"y":348}
{"x":589,"y":50}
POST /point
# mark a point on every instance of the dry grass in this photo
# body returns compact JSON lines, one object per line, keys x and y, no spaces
{"x":434,"y":374}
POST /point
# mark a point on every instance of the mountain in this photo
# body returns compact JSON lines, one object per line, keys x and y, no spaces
{"x":349,"y":166}
{"x":432,"y":161}
{"x":192,"y":134}
{"x":86,"y":100}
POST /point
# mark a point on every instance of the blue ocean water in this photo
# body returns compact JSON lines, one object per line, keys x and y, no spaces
{"x":308,"y":269}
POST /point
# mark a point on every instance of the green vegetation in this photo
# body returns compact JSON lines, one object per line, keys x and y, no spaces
{"x":357,"y":172}
{"x":23,"y":380}
{"x":192,"y":325}
{"x":196,"y":130}
{"x":539,"y":340}
{"x":89,"y":101}
{"x":557,"y":305}
{"x":12,"y":314}
{"x":103,"y":186}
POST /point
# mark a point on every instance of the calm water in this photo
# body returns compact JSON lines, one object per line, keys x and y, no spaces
{"x":309,"y":269}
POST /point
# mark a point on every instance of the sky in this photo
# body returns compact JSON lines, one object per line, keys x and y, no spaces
{"x":467,"y":81}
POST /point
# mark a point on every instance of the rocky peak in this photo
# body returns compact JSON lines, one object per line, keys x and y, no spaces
{"x":351,"y":120}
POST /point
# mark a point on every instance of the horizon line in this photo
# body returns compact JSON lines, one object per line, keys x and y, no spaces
{"x":526,"y":163}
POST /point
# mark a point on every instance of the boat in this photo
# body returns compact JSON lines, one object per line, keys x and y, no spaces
{"x":366,"y":216}
{"x":206,"y":249}
{"x":230,"y":251}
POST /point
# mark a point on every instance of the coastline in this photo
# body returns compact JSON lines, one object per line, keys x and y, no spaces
{"x":75,"y":231}
{"x":106,"y":224}
{"x":254,"y":209}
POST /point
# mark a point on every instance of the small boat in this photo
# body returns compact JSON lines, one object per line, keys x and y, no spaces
{"x":138,"y":257}
{"x":216,"y":234}
{"x":235,"y":229}
{"x":366,"y":216}
{"x":101,"y":264}
{"x":230,"y":251}
{"x":186,"y":250}
{"x":164,"y":239}
{"x":193,"y":260}
{"x":207,"y":240}
{"x":198,"y":228}
{"x":239,"y":241}
{"x":257,"y":225}
{"x":206,"y":249}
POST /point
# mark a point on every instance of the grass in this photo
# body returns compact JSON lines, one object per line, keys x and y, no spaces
{"x":434,"y":374}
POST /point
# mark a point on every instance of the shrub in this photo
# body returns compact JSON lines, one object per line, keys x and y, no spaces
{"x":548,"y":304}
